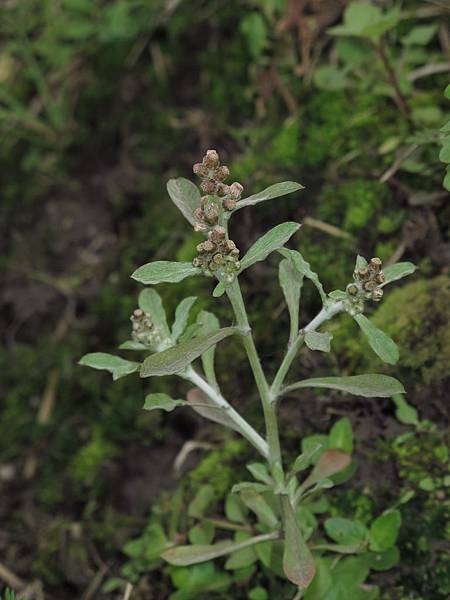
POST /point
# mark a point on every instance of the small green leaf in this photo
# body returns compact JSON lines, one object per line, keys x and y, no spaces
{"x":269,"y":242}
{"x":117,"y":366}
{"x":273,"y":191}
{"x":384,"y":531}
{"x":175,"y":359}
{"x":258,"y":593}
{"x":419,"y":35}
{"x":161,"y":402}
{"x":235,"y":509}
{"x":202,"y":533}
{"x":298,"y":563}
{"x":209,"y":323}
{"x":345,"y":531}
{"x":240,"y":559}
{"x":405,"y":413}
{"x":361,"y":262}
{"x":260,"y":473}
{"x":383,"y":561}
{"x":397,"y":271}
{"x":303,"y":461}
{"x":185,"y":195}
{"x":219,"y":290}
{"x":380,"y":343}
{"x":164,"y":271}
{"x":132,"y":345}
{"x":447,"y":92}
{"x":191,"y":555}
{"x":201,"y":502}
{"x":256,"y":503}
{"x":150,"y":302}
{"x":304,"y":268}
{"x":330,"y":463}
{"x":318,"y":341}
{"x":251,"y":486}
{"x":181,"y":316}
{"x":341,"y":436}
{"x":368,"y":386}
{"x":291,"y":282}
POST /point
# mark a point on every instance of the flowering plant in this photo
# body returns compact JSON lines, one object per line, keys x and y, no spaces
{"x":273,"y":514}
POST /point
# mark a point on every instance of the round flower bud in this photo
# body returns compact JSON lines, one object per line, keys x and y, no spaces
{"x":352,"y":289}
{"x":222,"y":172}
{"x":377,"y":294}
{"x":211,"y":158}
{"x":197,"y":168}
{"x":230,"y":246}
{"x":375,"y":263}
{"x":209,"y":186}
{"x":235,"y":253}
{"x":229,"y":204}
{"x":236,"y":190}
{"x":138,"y":313}
{"x":199,"y":214}
{"x":208,"y":246}
{"x":197,"y":262}
{"x":200,"y":227}
{"x":211,"y":214}
{"x":218,"y":259}
{"x":363,"y":273}
{"x":200,"y":248}
{"x":379,"y":277}
{"x":218,"y":233}
{"x":222,"y":190}
{"x":370,"y":285}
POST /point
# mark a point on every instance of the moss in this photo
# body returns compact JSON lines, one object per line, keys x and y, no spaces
{"x":87,"y":462}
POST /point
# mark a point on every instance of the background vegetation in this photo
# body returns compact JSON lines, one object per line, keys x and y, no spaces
{"x":101,"y":101}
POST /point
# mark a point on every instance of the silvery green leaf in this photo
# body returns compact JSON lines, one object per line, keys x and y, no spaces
{"x":150,"y":302}
{"x":164,"y":271}
{"x":185,"y":195}
{"x":318,"y":341}
{"x":208,"y":324}
{"x":260,"y":472}
{"x":257,"y":504}
{"x":273,"y":191}
{"x":201,"y":501}
{"x":117,"y":366}
{"x":219,"y":290}
{"x":368,"y":386}
{"x":360,"y":262}
{"x":380,"y":343}
{"x":175,"y":359}
{"x":183,"y":556}
{"x":191,"y":331}
{"x":337,"y":295}
{"x":397,"y":271}
{"x":298,"y":563}
{"x":204,"y":406}
{"x":269,"y":242}
{"x":304,"y":268}
{"x":245,"y":486}
{"x":161,"y":402}
{"x":132,"y":345}
{"x":181,"y":316}
{"x":291,"y":282}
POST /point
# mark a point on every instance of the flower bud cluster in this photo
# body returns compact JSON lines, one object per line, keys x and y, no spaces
{"x":219,"y":196}
{"x":366,"y":286}
{"x":144,"y":330}
{"x":218,"y":256}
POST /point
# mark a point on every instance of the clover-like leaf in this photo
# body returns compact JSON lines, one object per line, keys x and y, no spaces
{"x":269,"y":242}
{"x":175,"y":359}
{"x":164,"y":271}
{"x":185,"y":195}
{"x":117,"y":366}
{"x":273,"y":191}
{"x":380,"y":343}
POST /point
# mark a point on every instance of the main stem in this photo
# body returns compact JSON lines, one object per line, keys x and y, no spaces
{"x":269,"y":408}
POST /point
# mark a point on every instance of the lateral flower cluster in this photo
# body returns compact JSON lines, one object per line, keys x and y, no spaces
{"x":366,"y":286}
{"x":144,"y":330}
{"x":218,"y":255}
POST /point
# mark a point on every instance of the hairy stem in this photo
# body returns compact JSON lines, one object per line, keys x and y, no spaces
{"x":326,"y":313}
{"x":269,"y":408}
{"x":216,"y":397}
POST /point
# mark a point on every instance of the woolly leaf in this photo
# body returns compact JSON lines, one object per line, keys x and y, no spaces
{"x":164,"y":271}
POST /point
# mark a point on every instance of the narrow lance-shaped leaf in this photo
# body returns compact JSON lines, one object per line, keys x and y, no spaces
{"x":291,"y":282}
{"x":269,"y":242}
{"x":273,"y":191}
{"x":161,"y":402}
{"x":175,"y":359}
{"x":304,"y":268}
{"x":318,"y":341}
{"x":298,"y":563}
{"x":150,"y":301}
{"x":164,"y":271}
{"x":397,"y":271}
{"x":219,"y":290}
{"x":369,"y":386}
{"x":117,"y":366}
{"x":183,"y":556}
{"x":259,"y":506}
{"x":380,"y":343}
{"x":209,"y":323}
{"x":185,"y":195}
{"x":181,"y":316}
